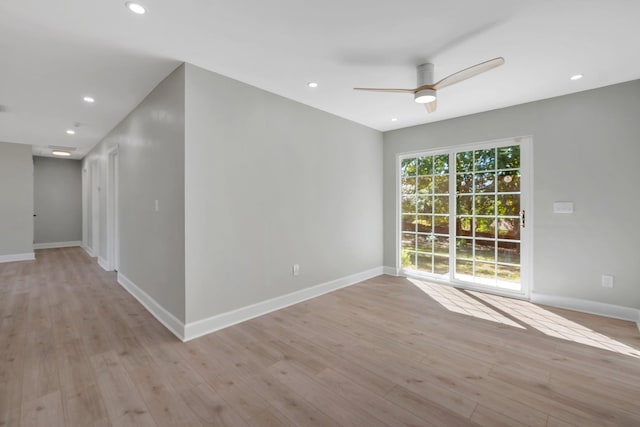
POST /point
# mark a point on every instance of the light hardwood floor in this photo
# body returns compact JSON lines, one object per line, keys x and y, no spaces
{"x":78,"y":350}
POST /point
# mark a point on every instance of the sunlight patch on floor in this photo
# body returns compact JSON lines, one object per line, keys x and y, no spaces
{"x":555,"y":325}
{"x":454,"y":300}
{"x":492,"y":307}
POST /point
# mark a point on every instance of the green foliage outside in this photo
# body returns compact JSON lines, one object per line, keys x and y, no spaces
{"x":483,"y":207}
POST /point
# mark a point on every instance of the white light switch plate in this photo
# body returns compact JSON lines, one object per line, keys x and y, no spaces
{"x":563,"y":207}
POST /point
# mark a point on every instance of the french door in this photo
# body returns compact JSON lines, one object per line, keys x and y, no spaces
{"x":463,"y":215}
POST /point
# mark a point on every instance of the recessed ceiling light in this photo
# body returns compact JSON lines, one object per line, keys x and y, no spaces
{"x":71,"y":132}
{"x":395,"y":119}
{"x":61,"y":153}
{"x":89,"y":99}
{"x":576,"y":77}
{"x":135,"y":8}
{"x":312,"y":84}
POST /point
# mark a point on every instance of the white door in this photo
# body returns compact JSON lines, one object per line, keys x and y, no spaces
{"x":464,"y":216}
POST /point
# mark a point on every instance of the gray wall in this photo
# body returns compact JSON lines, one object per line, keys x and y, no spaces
{"x":586,"y":148}
{"x":16,"y":199}
{"x":150,"y":143}
{"x":269,"y":183}
{"x":57,"y":193}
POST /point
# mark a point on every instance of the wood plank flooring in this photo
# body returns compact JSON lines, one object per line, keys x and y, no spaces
{"x":76,"y":349}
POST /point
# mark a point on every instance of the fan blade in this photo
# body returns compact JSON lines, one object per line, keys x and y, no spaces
{"x":386,"y":90}
{"x":467,"y":73}
{"x":431,"y":106}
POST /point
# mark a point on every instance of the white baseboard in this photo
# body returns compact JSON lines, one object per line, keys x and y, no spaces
{"x":88,"y":250}
{"x":18,"y":257}
{"x":159,"y":312}
{"x":103,"y":263}
{"x":391,"y":271}
{"x":586,"y":306}
{"x":206,"y":326}
{"x":56,"y":245}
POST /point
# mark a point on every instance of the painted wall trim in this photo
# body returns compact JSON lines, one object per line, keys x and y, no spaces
{"x":206,"y":326}
{"x":103,"y":263}
{"x":391,"y":271}
{"x":88,"y":250}
{"x":159,"y":312}
{"x":586,"y":306}
{"x":18,"y":257}
{"x":55,"y":245}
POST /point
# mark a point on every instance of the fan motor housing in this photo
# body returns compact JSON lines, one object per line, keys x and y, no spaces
{"x":424,"y":74}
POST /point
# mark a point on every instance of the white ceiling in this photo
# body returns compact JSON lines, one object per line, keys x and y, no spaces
{"x":52,"y":53}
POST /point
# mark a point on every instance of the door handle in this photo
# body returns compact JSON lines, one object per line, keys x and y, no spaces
{"x":523,"y":217}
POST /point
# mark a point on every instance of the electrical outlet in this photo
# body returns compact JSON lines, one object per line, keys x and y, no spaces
{"x":607,"y":281}
{"x":296,"y":269}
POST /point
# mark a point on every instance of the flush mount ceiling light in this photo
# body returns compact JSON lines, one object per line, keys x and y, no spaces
{"x":71,"y":132}
{"x":425,"y":96}
{"x":576,"y":77}
{"x":61,"y":153}
{"x":312,"y":84}
{"x":135,"y":8}
{"x":395,"y":119}
{"x":88,"y":99}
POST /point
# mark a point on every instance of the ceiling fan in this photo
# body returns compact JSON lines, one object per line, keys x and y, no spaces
{"x":425,"y":93}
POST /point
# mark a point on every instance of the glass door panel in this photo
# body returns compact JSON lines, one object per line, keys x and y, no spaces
{"x":488,"y":209}
{"x":425,"y":214}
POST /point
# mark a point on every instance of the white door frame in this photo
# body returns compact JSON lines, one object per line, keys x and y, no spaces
{"x":95,"y":208}
{"x":85,"y":206}
{"x":113,"y":238}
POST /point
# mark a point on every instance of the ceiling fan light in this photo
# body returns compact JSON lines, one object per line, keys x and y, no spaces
{"x":425,"y":96}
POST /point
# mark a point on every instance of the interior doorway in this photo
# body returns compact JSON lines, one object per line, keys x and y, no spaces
{"x":113,"y":241}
